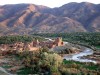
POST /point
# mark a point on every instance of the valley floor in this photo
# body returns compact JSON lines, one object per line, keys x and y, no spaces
{"x":9,"y":65}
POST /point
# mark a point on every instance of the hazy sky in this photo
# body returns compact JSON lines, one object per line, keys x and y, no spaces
{"x":49,"y":3}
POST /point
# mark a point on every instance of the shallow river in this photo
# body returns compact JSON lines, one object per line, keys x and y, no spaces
{"x":78,"y":56}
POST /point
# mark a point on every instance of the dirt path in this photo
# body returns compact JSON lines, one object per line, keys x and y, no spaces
{"x":3,"y":70}
{"x":6,"y":73}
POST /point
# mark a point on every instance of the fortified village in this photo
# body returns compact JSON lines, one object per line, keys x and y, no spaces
{"x":34,"y":45}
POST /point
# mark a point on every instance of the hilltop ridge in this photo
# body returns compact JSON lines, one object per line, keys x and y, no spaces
{"x":31,"y":18}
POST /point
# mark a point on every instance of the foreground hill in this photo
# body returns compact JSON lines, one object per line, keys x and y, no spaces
{"x":30,"y":18}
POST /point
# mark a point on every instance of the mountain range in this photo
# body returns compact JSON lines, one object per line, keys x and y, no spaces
{"x":31,"y":18}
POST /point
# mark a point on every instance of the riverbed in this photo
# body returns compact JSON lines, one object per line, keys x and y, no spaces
{"x":78,"y":56}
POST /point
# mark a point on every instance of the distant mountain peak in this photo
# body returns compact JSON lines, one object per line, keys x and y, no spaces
{"x":31,"y":7}
{"x":86,"y":3}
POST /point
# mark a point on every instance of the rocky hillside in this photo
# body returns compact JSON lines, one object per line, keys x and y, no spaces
{"x":30,"y":18}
